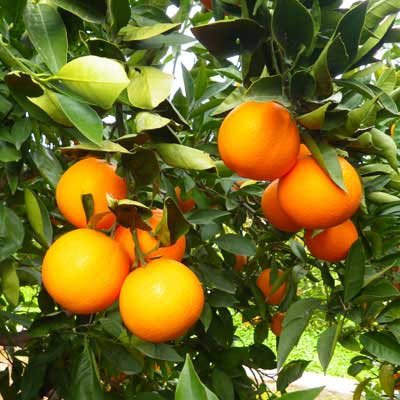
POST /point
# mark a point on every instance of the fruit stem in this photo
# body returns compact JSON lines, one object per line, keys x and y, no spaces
{"x":138,"y":250}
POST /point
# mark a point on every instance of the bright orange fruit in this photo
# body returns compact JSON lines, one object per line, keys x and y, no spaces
{"x":266,"y":286}
{"x":241,"y":261}
{"x":184,"y":205}
{"x":276,"y":323}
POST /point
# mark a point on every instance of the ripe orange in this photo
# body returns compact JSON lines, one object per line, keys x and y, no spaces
{"x":304,"y":151}
{"x":259,"y":140}
{"x":276,"y":323}
{"x":273,"y":212}
{"x":241,"y":261}
{"x":184,"y":205}
{"x":312,"y":200}
{"x":94,"y":176}
{"x":161,"y":300}
{"x":149,"y":244}
{"x":265,"y":285}
{"x":207,"y":4}
{"x":83,"y":271}
{"x":333,"y":244}
{"x":396,"y":377}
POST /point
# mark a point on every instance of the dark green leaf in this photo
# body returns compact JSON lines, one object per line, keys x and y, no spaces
{"x":32,"y":380}
{"x":327,"y":344}
{"x":354,"y":273}
{"x":9,"y":282}
{"x":290,"y":373}
{"x":222,"y":385}
{"x":119,"y":12}
{"x":236,"y":244}
{"x":8,"y":153}
{"x":21,"y":131}
{"x":48,"y":34}
{"x":266,"y":89}
{"x":190,"y":386}
{"x":47,"y":164}
{"x":11,"y":232}
{"x":381,"y":346}
{"x":309,"y":394}
{"x":52,"y":323}
{"x":159,"y":351}
{"x":315,"y":119}
{"x":120,"y":358}
{"x":86,"y":9}
{"x":201,"y":217}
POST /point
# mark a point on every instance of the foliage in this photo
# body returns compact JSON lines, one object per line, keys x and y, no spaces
{"x":81,"y":77}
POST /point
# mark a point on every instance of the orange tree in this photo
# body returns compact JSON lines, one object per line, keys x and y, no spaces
{"x":82,"y":78}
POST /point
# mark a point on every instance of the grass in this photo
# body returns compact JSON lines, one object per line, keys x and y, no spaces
{"x":305,"y":350}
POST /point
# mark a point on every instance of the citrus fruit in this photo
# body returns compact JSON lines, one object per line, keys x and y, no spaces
{"x":312,"y":200}
{"x":161,"y":301}
{"x":89,"y":176}
{"x":304,"y":151}
{"x":207,"y":4}
{"x":264,"y":283}
{"x":273,"y":212}
{"x":184,"y":205}
{"x":259,"y":140}
{"x":396,"y":377}
{"x":241,"y":261}
{"x":333,"y":244}
{"x":83,"y":271}
{"x":276,"y":323}
{"x":149,"y":244}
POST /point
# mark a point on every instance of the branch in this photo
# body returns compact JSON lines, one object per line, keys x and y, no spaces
{"x":19,"y":339}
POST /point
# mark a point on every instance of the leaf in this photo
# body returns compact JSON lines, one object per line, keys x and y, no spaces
{"x":201,"y":217}
{"x":98,"y":80}
{"x":309,"y":394}
{"x":47,"y":32}
{"x":206,"y":316}
{"x":179,"y":156}
{"x":315,"y":119}
{"x":132,"y":33}
{"x":9,"y":282}
{"x":327,"y":344}
{"x":21,"y":131}
{"x":11,"y":232}
{"x":354,"y":272}
{"x":160,"y":351}
{"x":86,"y":148}
{"x":119,"y":12}
{"x":215,"y":278}
{"x":87,"y":10}
{"x":290,"y":373}
{"x":190,"y":387}
{"x":148,"y":87}
{"x":8,"y":153}
{"x":294,"y":323}
{"x":147,"y":121}
{"x":85,"y":383}
{"x":38,"y":217}
{"x":47,"y":164}
{"x":120,"y":358}
{"x":386,"y":379}
{"x":381,"y":346}
{"x":267,"y":89}
{"x":293,"y":27}
{"x":222,"y":385}
{"x":379,"y":10}
{"x":236,"y":244}
{"x":230,"y":37}
{"x":83,"y":117}
{"x":32,"y":380}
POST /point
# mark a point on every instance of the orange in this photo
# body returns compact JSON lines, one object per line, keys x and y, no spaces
{"x":273,"y":212}
{"x":333,"y":244}
{"x":149,"y":244}
{"x":161,"y":300}
{"x":265,"y":285}
{"x":259,"y":140}
{"x":207,"y":4}
{"x":276,"y":323}
{"x":304,"y":151}
{"x":396,"y":377}
{"x":241,"y":261}
{"x":83,"y":271}
{"x":312,"y":200}
{"x":94,"y":176}
{"x":184,"y":205}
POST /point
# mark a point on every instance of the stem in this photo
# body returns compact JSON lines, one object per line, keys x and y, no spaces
{"x":138,"y":250}
{"x":19,"y":339}
{"x":119,"y":119}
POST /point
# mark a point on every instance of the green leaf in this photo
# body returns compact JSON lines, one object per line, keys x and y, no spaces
{"x":50,"y":323}
{"x":85,"y":383}
{"x":38,"y":217}
{"x":201,"y":217}
{"x":120,"y":358}
{"x":222,"y":385}
{"x":266,"y":89}
{"x":230,"y":37}
{"x":11,"y":232}
{"x":354,"y":272}
{"x":386,"y":379}
{"x":236,"y":244}
{"x":379,"y":10}
{"x":8,"y":153}
{"x":206,"y":316}
{"x":296,"y":320}
{"x":215,"y":278}
{"x":315,"y":119}
{"x":119,"y":12}
{"x":290,"y":373}
{"x":47,"y":32}
{"x":148,"y":87}
{"x":160,"y":351}
{"x":133,"y":33}
{"x":309,"y":394}
{"x":327,"y":344}
{"x":293,"y":27}
{"x":105,"y":147}
{"x":32,"y":380}
{"x":147,"y":121}
{"x":381,"y":346}
{"x":47,"y":164}
{"x":9,"y":282}
{"x":83,"y":117}
{"x":21,"y":131}
{"x":98,"y":80}
{"x":179,"y":156}
{"x":189,"y":385}
{"x":85,"y":9}
{"x":235,"y":98}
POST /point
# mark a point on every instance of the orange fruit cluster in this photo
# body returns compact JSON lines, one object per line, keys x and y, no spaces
{"x":85,"y":271}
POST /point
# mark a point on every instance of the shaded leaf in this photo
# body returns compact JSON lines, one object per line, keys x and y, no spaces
{"x":87,"y":10}
{"x":381,"y":346}
{"x":236,"y":244}
{"x":9,"y":282}
{"x":47,"y":164}
{"x":11,"y":232}
{"x":158,"y":351}
{"x":354,"y":273}
{"x":290,"y":373}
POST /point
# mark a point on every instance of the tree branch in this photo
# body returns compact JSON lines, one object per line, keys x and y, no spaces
{"x":19,"y":339}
